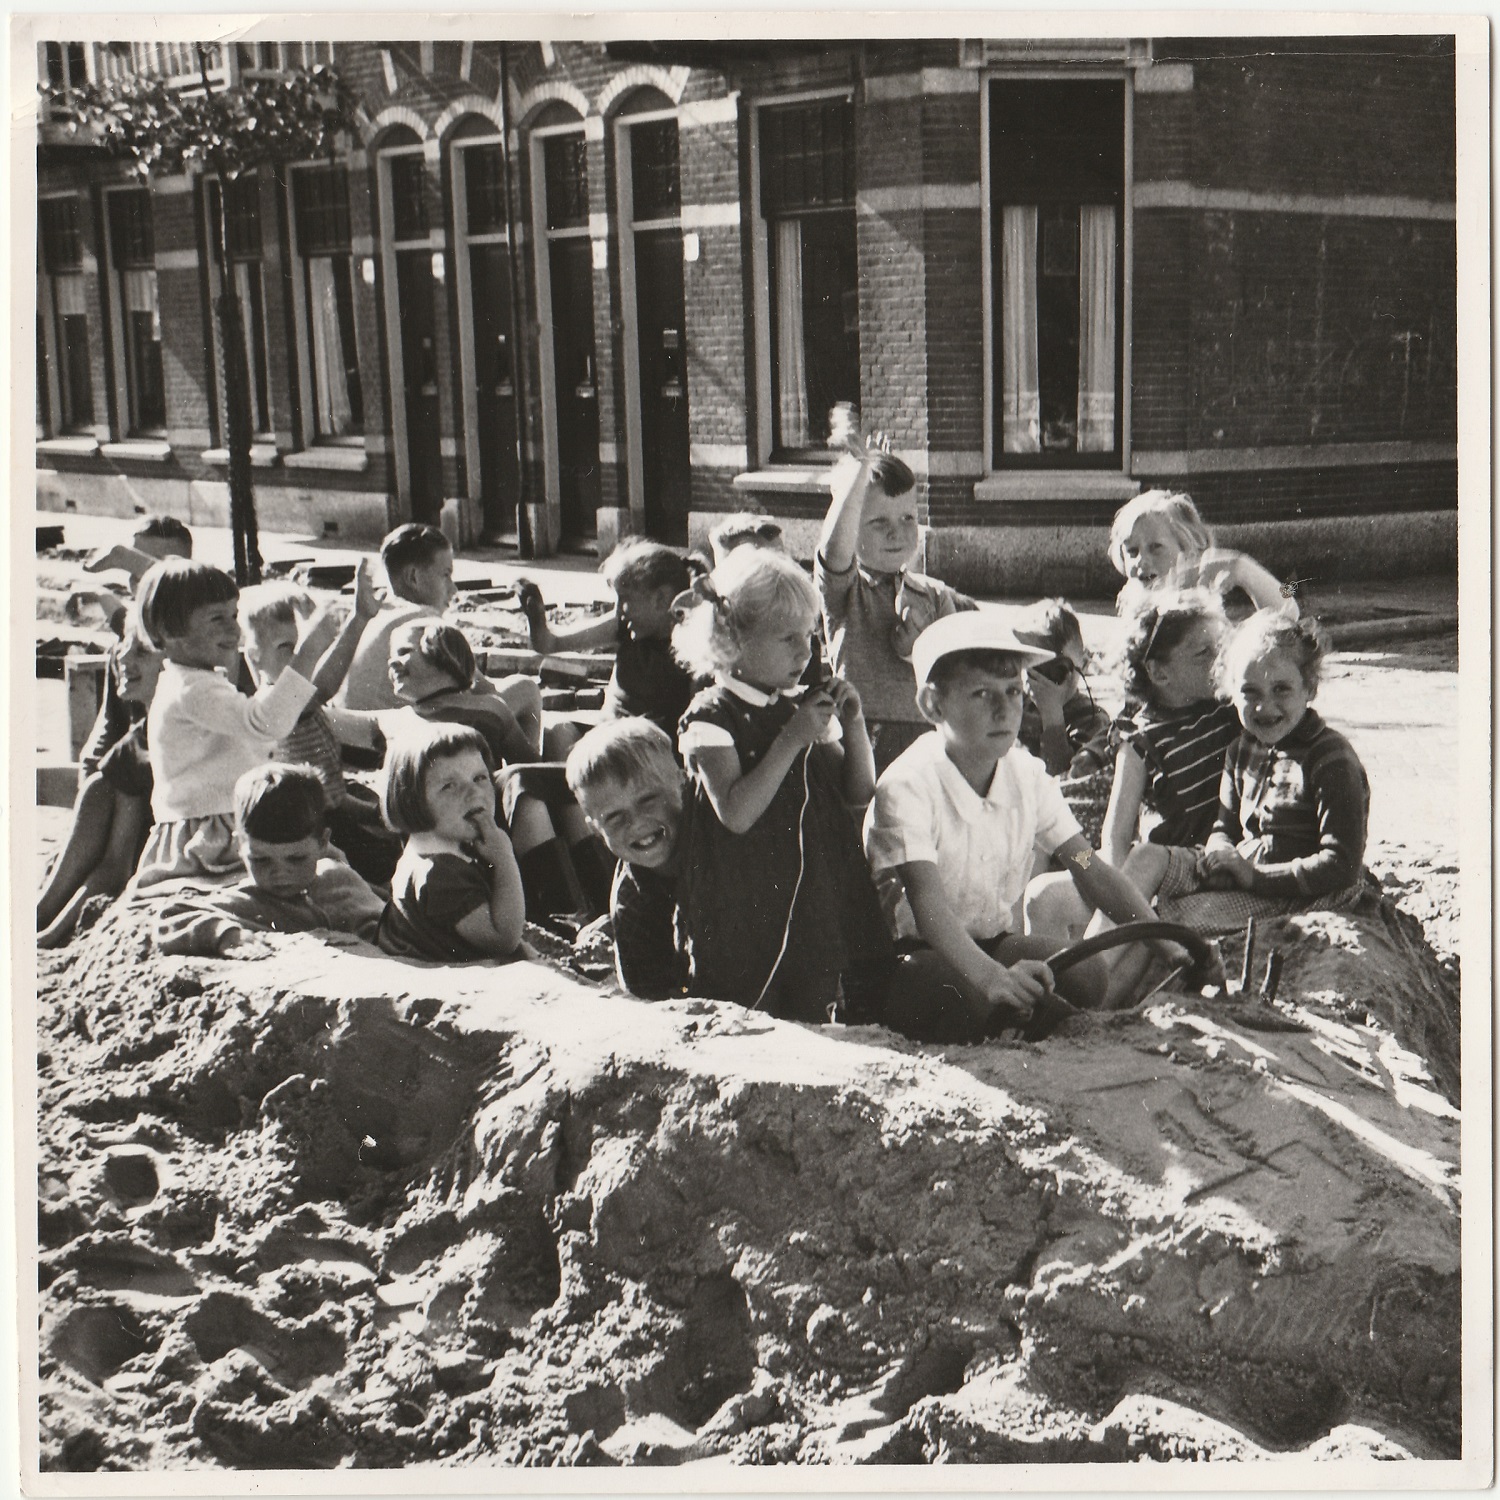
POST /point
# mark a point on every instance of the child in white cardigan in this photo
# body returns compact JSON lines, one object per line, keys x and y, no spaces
{"x":203,"y":732}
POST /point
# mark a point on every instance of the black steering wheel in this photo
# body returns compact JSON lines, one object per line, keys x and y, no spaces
{"x":1207,"y":966}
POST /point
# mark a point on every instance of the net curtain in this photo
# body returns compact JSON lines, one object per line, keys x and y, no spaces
{"x":791,"y":346}
{"x":330,"y":379}
{"x":1096,"y":328}
{"x":1021,"y":400}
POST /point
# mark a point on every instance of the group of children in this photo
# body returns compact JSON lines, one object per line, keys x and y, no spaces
{"x":919,"y":771}
{"x":828,"y":797}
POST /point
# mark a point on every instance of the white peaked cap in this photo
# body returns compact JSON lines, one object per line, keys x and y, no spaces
{"x":969,"y":630}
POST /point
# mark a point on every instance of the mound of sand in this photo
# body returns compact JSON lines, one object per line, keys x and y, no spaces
{"x":324,"y":1209}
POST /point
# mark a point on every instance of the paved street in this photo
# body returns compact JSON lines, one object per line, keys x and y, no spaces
{"x":1398,"y":702}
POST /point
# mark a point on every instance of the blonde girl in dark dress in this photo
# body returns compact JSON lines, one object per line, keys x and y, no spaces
{"x":777,"y":903}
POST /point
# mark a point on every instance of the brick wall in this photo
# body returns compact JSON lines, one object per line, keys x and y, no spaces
{"x":1161,"y":338}
{"x":955,"y":333}
{"x":1326,"y":114}
{"x":1256,"y":328}
{"x":1316,"y":329}
{"x":1251,"y":328}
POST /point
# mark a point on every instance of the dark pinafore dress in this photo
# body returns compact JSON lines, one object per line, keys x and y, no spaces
{"x":738,"y":887}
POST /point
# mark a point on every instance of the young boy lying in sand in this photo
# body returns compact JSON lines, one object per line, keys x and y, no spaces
{"x":297,"y":882}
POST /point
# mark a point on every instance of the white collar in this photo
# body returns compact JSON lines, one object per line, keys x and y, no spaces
{"x":431,"y":842}
{"x":754,"y":696}
{"x":959,"y":784}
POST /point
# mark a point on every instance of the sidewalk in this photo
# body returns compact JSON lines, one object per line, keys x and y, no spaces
{"x":1358,"y":614}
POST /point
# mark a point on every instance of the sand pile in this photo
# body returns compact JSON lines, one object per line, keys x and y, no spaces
{"x":326,"y":1210}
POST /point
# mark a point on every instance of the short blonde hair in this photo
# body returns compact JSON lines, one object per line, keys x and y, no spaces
{"x":1170,"y":506}
{"x":264,"y":604}
{"x":627,"y":751}
{"x":751,"y":586}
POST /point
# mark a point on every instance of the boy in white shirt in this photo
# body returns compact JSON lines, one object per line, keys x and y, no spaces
{"x":954,"y":823}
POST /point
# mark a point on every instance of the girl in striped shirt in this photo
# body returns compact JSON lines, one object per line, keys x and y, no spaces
{"x":1169,"y":758}
{"x":1294,"y":799}
{"x":1170,"y":752}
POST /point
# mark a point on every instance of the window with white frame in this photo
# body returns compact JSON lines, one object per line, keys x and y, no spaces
{"x":806,"y":190}
{"x":133,"y":261}
{"x":1057,"y":190}
{"x":320,"y":197}
{"x":65,"y":384}
{"x":276,"y":57}
{"x":243,"y":249}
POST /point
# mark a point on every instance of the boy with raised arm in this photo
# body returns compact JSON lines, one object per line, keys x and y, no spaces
{"x":874,"y":605}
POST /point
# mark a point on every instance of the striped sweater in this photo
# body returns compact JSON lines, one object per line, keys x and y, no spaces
{"x":1183,"y":750}
{"x":1297,"y":811}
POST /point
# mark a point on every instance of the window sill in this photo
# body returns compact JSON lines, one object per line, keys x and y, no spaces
{"x":262,"y":456}
{"x":794,"y":479}
{"x":1057,"y":484}
{"x":81,"y":447}
{"x":147,"y":450}
{"x":348,"y":460}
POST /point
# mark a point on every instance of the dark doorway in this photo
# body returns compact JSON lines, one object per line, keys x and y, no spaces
{"x":494,"y":388}
{"x":419,"y":376}
{"x":666,"y":470}
{"x":576,"y":389}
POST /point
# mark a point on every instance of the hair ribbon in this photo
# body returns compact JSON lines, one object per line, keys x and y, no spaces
{"x":700,"y":591}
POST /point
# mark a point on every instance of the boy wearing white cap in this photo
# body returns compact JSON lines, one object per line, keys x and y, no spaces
{"x":954,"y":822}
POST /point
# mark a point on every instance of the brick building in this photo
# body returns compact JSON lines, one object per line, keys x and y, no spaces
{"x":1054,"y":273}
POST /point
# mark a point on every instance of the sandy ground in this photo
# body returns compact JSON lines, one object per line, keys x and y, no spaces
{"x":326,"y":1210}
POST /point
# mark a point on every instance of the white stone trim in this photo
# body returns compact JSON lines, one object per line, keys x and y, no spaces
{"x":792,"y":479}
{"x":711,"y":215}
{"x":1293,"y":456}
{"x":399,"y":114}
{"x":1057,"y":484}
{"x":919,"y":197}
{"x":718,"y":455}
{"x":1173,"y":194}
{"x":1165,"y":78}
{"x":915,"y":85}
{"x":703,"y":112}
{"x":349,"y":460}
{"x":668,"y":81}
{"x":549,"y":91}
{"x":176,"y":260}
{"x":939,"y":463}
{"x":262,"y":456}
{"x":146,"y":450}
{"x":469,"y":104}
